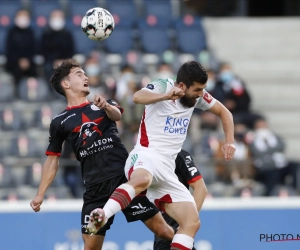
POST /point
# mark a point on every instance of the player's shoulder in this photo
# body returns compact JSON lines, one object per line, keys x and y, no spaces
{"x":162,"y":84}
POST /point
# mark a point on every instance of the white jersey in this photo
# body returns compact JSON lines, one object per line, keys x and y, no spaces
{"x":164,"y":124}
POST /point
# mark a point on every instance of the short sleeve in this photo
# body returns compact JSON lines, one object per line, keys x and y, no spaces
{"x":186,"y":167}
{"x":160,"y":86}
{"x":206,"y":101}
{"x":56,"y":140}
{"x":114,"y":103}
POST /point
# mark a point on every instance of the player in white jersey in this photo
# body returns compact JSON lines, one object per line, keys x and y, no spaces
{"x":151,"y":164}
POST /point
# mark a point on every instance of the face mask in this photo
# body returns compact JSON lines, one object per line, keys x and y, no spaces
{"x":165,"y":74}
{"x":210,"y":84}
{"x":128,"y":76}
{"x":22,"y":22}
{"x":263,"y":132}
{"x":92,"y":70}
{"x":226,"y":76}
{"x":57,"y":23}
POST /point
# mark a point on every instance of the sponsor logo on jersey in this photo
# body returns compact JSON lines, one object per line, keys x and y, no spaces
{"x":140,"y":209}
{"x":67,"y":118}
{"x":175,"y":125}
{"x":207,"y":97}
{"x":97,"y":146}
{"x":94,"y":107}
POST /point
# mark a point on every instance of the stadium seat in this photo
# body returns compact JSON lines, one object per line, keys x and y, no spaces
{"x":7,"y":87}
{"x":120,"y":41}
{"x":78,"y":9}
{"x":83,"y":45}
{"x":154,"y":40}
{"x":190,"y":35}
{"x":8,"y":10}
{"x":11,"y":119}
{"x":34,"y":89}
{"x":7,"y":179}
{"x":24,"y":146}
{"x":162,"y":10}
{"x":124,"y":13}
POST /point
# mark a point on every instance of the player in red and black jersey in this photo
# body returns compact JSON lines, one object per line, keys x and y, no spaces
{"x":190,"y":176}
{"x":90,"y":129}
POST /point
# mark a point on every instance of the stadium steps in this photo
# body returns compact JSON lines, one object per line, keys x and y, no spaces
{"x":265,"y":53}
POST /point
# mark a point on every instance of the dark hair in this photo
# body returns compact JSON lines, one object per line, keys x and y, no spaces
{"x":191,"y":72}
{"x":60,"y":72}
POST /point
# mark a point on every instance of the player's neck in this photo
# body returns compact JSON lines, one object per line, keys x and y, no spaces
{"x":76,"y":101}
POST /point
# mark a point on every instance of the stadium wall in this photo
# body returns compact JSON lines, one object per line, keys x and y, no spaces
{"x":227,"y":224}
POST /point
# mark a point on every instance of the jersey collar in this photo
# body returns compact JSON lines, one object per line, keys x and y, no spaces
{"x":79,"y":106}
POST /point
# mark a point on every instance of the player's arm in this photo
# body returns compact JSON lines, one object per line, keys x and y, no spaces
{"x":228,"y":126}
{"x":49,"y":171}
{"x":111,"y":111}
{"x":146,"y":97}
{"x":199,"y":192}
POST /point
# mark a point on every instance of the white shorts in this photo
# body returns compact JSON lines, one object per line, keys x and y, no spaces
{"x":165,"y":186}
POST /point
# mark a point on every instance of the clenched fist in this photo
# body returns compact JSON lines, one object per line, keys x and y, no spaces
{"x":100,"y":102}
{"x":175,"y":93}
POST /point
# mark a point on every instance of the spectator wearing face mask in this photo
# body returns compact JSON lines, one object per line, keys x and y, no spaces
{"x":237,"y":98}
{"x":271,"y":164}
{"x":20,"y":47}
{"x":96,"y":86}
{"x":56,"y":41}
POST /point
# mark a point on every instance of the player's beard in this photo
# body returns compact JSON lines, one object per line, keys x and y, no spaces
{"x":188,"y":102}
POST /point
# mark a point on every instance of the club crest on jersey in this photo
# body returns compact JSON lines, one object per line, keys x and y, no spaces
{"x":88,"y":127}
{"x":94,"y":107}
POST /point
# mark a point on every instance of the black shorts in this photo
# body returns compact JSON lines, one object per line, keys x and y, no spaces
{"x":97,"y":195}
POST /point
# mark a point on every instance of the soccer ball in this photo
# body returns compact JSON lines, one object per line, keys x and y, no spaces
{"x":97,"y":24}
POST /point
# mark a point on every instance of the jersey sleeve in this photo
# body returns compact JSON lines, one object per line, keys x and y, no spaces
{"x":160,"y":86}
{"x":56,"y":140}
{"x":114,"y":103}
{"x":187,"y":168}
{"x":206,"y":101}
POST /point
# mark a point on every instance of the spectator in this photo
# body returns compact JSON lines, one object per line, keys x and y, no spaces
{"x":271,"y":165}
{"x":56,"y":42}
{"x":127,"y":85}
{"x":96,"y":86}
{"x":237,"y":98}
{"x":20,"y":47}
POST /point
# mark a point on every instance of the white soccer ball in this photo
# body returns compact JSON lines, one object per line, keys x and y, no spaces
{"x":97,"y":24}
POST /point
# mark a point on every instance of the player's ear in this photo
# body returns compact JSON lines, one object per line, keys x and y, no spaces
{"x":182,"y":86}
{"x":65,"y":84}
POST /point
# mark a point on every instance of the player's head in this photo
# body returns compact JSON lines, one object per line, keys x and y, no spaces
{"x":69,"y":79}
{"x":192,"y":78}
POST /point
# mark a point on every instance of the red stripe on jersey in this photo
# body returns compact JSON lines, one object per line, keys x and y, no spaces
{"x":177,"y":246}
{"x":130,"y":172}
{"x":158,"y":202}
{"x":144,"y":137}
{"x":195,"y":179}
{"x":52,"y":153}
{"x":122,"y":197}
{"x":78,"y":106}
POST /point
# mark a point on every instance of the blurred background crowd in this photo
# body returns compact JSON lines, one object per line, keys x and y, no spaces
{"x":152,"y":38}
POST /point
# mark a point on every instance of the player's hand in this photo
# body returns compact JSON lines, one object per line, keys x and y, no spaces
{"x":228,"y":150}
{"x":100,"y":102}
{"x":175,"y":93}
{"x":37,"y":202}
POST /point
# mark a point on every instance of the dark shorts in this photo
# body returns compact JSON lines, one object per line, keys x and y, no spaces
{"x":97,"y":195}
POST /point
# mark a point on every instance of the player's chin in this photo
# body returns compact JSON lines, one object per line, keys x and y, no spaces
{"x":86,"y":91}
